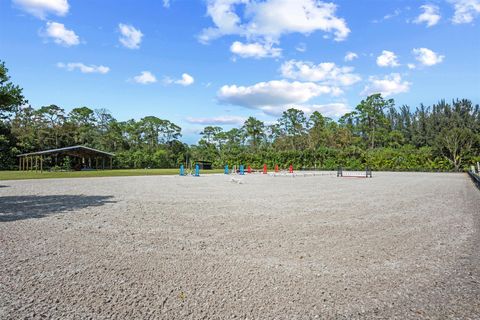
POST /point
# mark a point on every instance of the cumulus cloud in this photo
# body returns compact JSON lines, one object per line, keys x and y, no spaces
{"x":387,"y":59}
{"x":186,"y":80}
{"x":273,"y":93}
{"x":41,"y":8}
{"x":259,"y":22}
{"x":388,"y":85}
{"x":60,"y":34}
{"x":326,"y":72}
{"x":427,"y":57}
{"x":166,"y":3}
{"x":465,"y":10}
{"x":430,"y":15}
{"x":130,"y":36}
{"x":350,"y":56}
{"x":83,"y":68}
{"x":145,"y":77}
{"x":221,"y":120}
{"x":255,"y":50}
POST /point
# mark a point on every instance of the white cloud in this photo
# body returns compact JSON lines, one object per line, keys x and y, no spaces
{"x":222,"y":120}
{"x":387,"y":59}
{"x":430,"y":15}
{"x":465,"y":10}
{"x":41,"y":8}
{"x":326,"y":72}
{"x":60,"y":34}
{"x":255,"y":50}
{"x":83,"y":68}
{"x":350,"y":56}
{"x":389,"y":16}
{"x":130,"y":36}
{"x":273,"y":93}
{"x":269,"y":20}
{"x":145,"y":77}
{"x":166,"y":3}
{"x":301,"y":47}
{"x":186,"y":80}
{"x":388,"y":85}
{"x":411,"y":66}
{"x":332,"y":110}
{"x":427,"y":57}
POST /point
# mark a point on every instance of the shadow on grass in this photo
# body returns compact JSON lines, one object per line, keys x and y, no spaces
{"x":3,"y":186}
{"x":14,"y":208}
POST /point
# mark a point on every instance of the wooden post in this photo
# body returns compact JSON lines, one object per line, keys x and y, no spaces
{"x":103,"y":163}
{"x":111,"y":163}
{"x":41,"y":163}
{"x":96,"y":163}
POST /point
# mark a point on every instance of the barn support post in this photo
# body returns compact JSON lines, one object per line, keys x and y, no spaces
{"x":41,"y":163}
{"x":103,"y":163}
{"x":111,"y":163}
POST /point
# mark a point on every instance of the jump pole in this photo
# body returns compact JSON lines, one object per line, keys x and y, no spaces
{"x":242,"y":172}
{"x":197,"y":170}
{"x":264,"y":168}
{"x":182,"y":170}
{"x":226,"y":169}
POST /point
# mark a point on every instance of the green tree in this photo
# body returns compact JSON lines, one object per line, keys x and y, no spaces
{"x":254,"y":129}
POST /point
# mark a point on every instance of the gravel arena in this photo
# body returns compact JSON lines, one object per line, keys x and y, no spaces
{"x":399,"y":245}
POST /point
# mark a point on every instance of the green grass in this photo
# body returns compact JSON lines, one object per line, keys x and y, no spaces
{"x":21,"y":175}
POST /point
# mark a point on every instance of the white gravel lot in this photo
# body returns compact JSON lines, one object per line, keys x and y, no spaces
{"x":399,"y":245}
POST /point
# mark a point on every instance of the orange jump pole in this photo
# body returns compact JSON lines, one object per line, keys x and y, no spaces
{"x":276,"y":168}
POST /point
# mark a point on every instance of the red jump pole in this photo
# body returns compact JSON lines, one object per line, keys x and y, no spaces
{"x":290,"y":169}
{"x":264,"y":168}
{"x":276,"y":168}
{"x":249,"y":169}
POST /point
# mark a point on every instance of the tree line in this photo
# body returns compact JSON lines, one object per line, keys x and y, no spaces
{"x":444,"y":136}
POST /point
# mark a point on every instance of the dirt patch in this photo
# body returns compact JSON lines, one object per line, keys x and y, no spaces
{"x":401,"y":245}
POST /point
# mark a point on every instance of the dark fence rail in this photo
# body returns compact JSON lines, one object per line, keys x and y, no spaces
{"x":475,"y":177}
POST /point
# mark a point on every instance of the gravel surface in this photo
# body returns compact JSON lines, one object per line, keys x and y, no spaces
{"x":399,"y":245}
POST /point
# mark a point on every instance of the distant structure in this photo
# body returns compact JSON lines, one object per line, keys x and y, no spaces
{"x":80,"y":158}
{"x":204,"y":165}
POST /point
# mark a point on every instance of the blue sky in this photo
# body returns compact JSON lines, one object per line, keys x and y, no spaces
{"x":216,"y":62}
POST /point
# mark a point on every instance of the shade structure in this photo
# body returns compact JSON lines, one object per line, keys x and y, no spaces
{"x":86,"y":158}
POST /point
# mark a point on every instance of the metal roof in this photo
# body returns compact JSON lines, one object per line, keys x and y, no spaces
{"x":60,"y":150}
